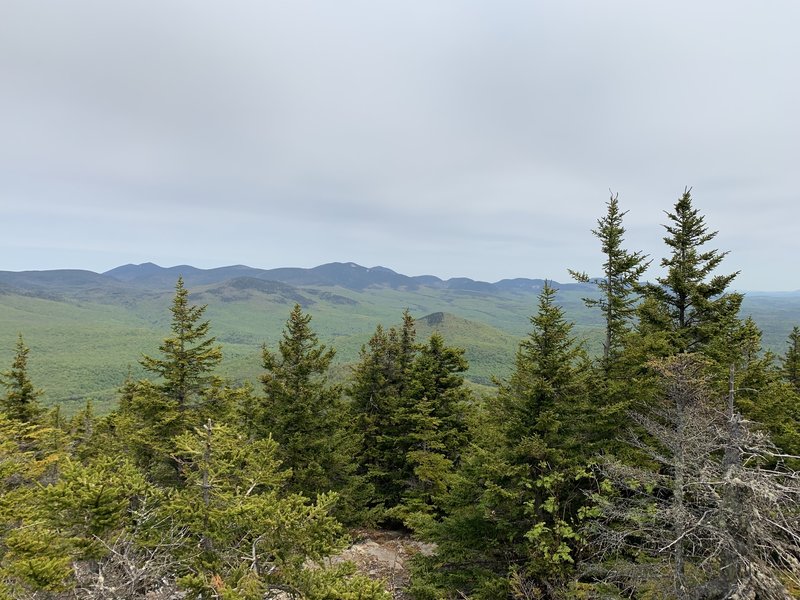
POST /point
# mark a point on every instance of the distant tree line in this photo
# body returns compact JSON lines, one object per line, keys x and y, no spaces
{"x":662,"y":468}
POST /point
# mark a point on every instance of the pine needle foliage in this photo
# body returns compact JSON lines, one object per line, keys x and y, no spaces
{"x":245,"y":538}
{"x":21,"y":399}
{"x":690,"y":301}
{"x":791,"y":360}
{"x":304,"y":412}
{"x":620,"y":285}
{"x":411,"y":404}
{"x":188,"y":356}
{"x":378,"y":385}
{"x":511,"y":517}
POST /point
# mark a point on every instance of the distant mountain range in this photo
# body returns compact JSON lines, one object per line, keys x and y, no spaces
{"x":350,"y":276}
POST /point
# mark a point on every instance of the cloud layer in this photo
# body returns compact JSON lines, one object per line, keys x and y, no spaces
{"x":451,"y":137}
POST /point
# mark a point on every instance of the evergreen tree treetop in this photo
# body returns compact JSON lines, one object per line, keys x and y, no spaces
{"x":549,"y":350}
{"x":546,"y":373}
{"x":691,"y":300}
{"x":688,"y":264}
{"x":303,"y":412}
{"x":21,"y":399}
{"x":620,"y":286}
{"x":188,"y":355}
{"x":438,"y":368}
{"x":300,"y":356}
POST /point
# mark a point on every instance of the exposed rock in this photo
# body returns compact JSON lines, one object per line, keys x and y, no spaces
{"x":384,"y":555}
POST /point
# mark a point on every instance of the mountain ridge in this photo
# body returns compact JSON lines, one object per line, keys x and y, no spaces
{"x":151,"y":277}
{"x":348,"y":275}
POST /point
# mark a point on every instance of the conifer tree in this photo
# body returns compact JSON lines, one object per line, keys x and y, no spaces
{"x":374,"y":398}
{"x":791,"y":360}
{"x":690,"y":303}
{"x":546,"y":430}
{"x":303,"y":412}
{"x":33,"y":558}
{"x":546,"y":382}
{"x":244,"y":537}
{"x":431,"y":423}
{"x":93,"y":502}
{"x":406,"y":351}
{"x":511,"y":519}
{"x":188,"y":356}
{"x":144,"y":429}
{"x":763,"y":392}
{"x":21,"y":399}
{"x":411,"y":404}
{"x":620,"y":286}
{"x":437,"y":376}
{"x":81,"y":430}
{"x":380,"y":381}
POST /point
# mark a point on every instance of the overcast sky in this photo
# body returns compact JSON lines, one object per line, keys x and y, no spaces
{"x":453,"y":138}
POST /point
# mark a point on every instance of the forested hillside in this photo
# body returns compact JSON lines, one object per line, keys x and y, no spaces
{"x":89,"y":330}
{"x":628,"y":438}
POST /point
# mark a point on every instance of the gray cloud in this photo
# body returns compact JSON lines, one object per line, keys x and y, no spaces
{"x":458,"y":138}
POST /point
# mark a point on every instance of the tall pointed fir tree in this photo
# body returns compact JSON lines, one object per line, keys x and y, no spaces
{"x":690,"y":305}
{"x":510,"y":524}
{"x":546,"y":384}
{"x":791,"y":360}
{"x":304,"y":413}
{"x":620,"y":294}
{"x":411,"y":404}
{"x":189,"y":356}
{"x":431,"y":420}
{"x":152,"y":414}
{"x":21,"y":399}
{"x":620,"y":285}
{"x":380,"y":380}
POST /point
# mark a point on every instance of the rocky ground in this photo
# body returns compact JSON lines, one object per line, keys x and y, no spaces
{"x":380,"y":555}
{"x":384,"y":555}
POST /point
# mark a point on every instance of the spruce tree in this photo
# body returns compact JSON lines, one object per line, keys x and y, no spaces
{"x":144,"y":429}
{"x":690,"y":304}
{"x":189,"y":356}
{"x":374,"y":399}
{"x":437,"y":376}
{"x":546,"y":382}
{"x":152,"y":414}
{"x":377,"y":390}
{"x":764,"y":391}
{"x":411,"y":404}
{"x":303,"y":412}
{"x":92,"y":503}
{"x":620,"y":285}
{"x":791,"y":360}
{"x":510,"y":521}
{"x":431,"y":425}
{"x":21,"y":399}
{"x":34,"y":558}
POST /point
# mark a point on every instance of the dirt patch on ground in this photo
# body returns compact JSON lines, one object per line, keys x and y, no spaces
{"x":384,"y":555}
